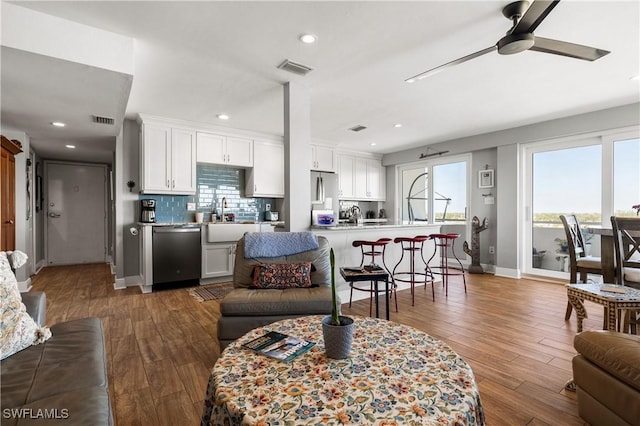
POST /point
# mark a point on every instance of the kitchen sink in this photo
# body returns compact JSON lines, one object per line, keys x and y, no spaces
{"x":224,"y":232}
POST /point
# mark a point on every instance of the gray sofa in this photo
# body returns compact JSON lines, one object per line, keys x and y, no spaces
{"x":244,"y":308}
{"x":606,"y":372}
{"x":61,"y":381}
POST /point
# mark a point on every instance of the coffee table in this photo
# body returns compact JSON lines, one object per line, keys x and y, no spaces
{"x":395,"y":374}
{"x":613,"y":302}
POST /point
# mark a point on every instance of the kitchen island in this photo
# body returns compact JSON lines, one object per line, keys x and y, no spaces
{"x":341,"y":239}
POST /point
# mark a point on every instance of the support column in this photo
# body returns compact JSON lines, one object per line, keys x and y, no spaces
{"x":297,"y":152}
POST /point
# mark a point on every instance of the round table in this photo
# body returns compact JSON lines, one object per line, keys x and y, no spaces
{"x":395,"y":375}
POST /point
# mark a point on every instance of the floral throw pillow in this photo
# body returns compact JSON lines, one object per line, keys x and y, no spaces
{"x":17,"y":329}
{"x":282,"y":275}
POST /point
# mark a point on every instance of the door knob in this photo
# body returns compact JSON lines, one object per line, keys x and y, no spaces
{"x":10,"y":221}
{"x":54,"y":214}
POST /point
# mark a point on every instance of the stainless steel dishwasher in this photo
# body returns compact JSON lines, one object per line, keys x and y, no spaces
{"x":176,"y":253}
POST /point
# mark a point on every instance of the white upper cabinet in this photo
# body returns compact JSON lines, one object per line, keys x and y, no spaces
{"x":322,"y":159}
{"x":168,"y":160}
{"x":266,"y":178}
{"x":224,"y":150}
{"x":361,"y":178}
{"x":183,"y":161}
{"x":346,"y":168}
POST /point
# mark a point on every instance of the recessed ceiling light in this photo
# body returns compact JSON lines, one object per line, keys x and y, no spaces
{"x":373,"y":144}
{"x":58,"y":124}
{"x":70,"y":146}
{"x":308,"y":38}
{"x":397,"y":125}
{"x":635,"y":77}
{"x":223,"y":116}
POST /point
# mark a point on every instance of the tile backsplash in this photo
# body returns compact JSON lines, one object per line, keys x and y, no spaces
{"x":213,"y":183}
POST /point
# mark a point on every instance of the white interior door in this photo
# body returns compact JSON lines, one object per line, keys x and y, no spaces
{"x":76,"y":213}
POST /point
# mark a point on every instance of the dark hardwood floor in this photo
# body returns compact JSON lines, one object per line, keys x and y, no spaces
{"x":162,"y":345}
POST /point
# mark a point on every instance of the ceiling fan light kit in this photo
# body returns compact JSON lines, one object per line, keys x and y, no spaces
{"x":526,"y":18}
{"x":515,"y":43}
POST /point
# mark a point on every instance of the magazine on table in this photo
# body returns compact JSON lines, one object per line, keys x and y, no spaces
{"x":279,"y":346}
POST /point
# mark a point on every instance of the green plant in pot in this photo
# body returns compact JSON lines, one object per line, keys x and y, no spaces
{"x":337,"y":330}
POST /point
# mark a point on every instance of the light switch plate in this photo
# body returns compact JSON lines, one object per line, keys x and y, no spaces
{"x":489,"y":200}
{"x":191,"y":207}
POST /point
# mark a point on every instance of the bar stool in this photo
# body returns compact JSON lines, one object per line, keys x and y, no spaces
{"x":372,"y":249}
{"x":412,"y":246}
{"x":444,"y":242}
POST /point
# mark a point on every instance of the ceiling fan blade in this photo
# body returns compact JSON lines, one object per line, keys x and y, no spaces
{"x":437,"y":69}
{"x":571,"y":50}
{"x":536,"y":13}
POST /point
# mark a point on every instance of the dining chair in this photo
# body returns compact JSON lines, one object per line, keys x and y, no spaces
{"x":579,"y":262}
{"x":626,"y":237}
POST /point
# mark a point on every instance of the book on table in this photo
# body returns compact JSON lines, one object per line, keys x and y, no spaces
{"x":279,"y":346}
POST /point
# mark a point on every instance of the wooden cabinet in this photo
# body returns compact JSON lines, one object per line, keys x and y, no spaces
{"x":145,"y":257}
{"x":218,"y":259}
{"x":346,"y":164}
{"x":168,"y":160}
{"x":8,"y":193}
{"x":361,"y":178}
{"x":369,"y":176}
{"x":322,"y":159}
{"x":266,"y":178}
{"x":224,"y":150}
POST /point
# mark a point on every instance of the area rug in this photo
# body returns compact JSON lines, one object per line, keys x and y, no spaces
{"x":210,"y":292}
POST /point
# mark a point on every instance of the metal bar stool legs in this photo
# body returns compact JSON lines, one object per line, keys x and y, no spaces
{"x":413,"y":247}
{"x":372,"y":250}
{"x":444,"y":242}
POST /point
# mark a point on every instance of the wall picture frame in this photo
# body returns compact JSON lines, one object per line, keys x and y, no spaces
{"x":485,"y":178}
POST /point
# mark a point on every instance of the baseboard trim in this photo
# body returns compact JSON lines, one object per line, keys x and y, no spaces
{"x":24,"y":286}
{"x":507,"y":273}
{"x":119,"y":284}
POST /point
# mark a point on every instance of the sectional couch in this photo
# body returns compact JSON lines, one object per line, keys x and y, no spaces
{"x":60,"y":381}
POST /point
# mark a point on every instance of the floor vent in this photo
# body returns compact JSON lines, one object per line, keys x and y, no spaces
{"x":358,"y":128}
{"x":295,"y":68}
{"x":103,"y":120}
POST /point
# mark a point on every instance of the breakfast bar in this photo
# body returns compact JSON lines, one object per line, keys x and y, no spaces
{"x":341,"y":239}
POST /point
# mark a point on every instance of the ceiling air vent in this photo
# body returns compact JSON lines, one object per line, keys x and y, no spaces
{"x":295,"y":68}
{"x":357,"y":128}
{"x":103,"y":120}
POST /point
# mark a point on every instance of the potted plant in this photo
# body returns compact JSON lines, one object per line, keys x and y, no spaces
{"x":337,"y":330}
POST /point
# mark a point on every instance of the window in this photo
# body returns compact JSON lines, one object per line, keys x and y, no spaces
{"x":626,"y":176}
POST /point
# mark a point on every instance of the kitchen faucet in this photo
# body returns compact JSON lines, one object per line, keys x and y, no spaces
{"x":224,"y":205}
{"x":356,"y":215}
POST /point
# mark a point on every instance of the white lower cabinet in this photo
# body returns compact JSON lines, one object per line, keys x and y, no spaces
{"x":218,"y":259}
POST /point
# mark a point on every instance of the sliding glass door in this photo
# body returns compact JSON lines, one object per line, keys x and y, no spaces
{"x":592,"y":177}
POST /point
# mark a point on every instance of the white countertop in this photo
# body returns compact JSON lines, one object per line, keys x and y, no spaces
{"x":273,"y":223}
{"x":375,"y":226}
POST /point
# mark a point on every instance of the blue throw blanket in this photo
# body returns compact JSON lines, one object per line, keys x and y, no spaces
{"x":276,"y":244}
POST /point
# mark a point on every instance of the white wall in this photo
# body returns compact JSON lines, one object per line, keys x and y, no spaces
{"x":48,"y":35}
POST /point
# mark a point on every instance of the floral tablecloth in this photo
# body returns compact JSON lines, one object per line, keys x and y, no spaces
{"x":395,"y":375}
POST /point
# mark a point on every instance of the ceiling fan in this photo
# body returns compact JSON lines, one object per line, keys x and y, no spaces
{"x":520,"y":37}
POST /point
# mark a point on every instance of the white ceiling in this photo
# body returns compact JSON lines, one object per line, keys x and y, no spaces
{"x":198,"y":59}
